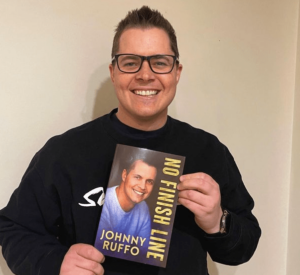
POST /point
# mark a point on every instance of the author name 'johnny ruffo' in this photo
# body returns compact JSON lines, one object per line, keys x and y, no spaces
{"x":116,"y":242}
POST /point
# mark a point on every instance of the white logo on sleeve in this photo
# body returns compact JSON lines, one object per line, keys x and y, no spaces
{"x":90,"y":201}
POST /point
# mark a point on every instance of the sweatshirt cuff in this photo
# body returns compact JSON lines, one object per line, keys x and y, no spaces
{"x":217,"y":241}
{"x":52,"y":262}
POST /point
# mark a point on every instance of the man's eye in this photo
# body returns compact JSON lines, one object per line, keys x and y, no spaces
{"x":130,"y":64}
{"x":160,"y":64}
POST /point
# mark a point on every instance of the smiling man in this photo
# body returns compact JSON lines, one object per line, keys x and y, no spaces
{"x":137,"y":184}
{"x":145,"y":82}
{"x":125,"y":203}
{"x":125,"y":210}
{"x":47,"y":229}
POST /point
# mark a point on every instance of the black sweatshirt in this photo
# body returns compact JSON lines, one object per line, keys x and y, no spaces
{"x":48,"y":212}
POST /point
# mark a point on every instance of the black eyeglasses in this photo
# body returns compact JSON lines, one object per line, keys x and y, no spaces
{"x":132,"y":63}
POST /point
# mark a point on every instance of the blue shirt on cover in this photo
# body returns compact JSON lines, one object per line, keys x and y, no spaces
{"x":134,"y":223}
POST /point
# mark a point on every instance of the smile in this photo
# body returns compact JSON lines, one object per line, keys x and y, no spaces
{"x":145,"y":93}
{"x":137,"y":192}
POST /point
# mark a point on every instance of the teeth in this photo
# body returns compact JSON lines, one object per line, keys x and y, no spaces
{"x":139,"y":193}
{"x":147,"y":93}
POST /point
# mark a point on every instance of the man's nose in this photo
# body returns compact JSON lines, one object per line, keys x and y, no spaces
{"x":142,"y":184}
{"x":145,"y":73}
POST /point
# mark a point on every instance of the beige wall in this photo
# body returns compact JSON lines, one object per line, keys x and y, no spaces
{"x":238,"y":82}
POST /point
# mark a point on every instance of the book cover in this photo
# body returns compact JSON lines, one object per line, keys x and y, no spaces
{"x":140,"y":203}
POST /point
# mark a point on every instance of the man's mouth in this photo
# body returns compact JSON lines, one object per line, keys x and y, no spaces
{"x":145,"y":92}
{"x":139,"y":193}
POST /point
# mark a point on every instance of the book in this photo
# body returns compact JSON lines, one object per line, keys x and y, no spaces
{"x":140,"y":203}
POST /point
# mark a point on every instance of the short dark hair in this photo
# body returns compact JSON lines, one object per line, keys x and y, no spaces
{"x":149,"y":161}
{"x":144,"y":18}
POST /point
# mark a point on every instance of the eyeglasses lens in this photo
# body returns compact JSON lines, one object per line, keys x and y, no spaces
{"x":158,"y":63}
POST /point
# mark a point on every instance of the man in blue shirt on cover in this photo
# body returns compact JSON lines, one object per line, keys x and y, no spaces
{"x":125,"y":211}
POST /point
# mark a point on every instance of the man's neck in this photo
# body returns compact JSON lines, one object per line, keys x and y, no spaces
{"x":124,"y":205}
{"x":144,"y":124}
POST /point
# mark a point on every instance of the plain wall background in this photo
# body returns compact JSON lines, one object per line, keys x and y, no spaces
{"x":240,"y":81}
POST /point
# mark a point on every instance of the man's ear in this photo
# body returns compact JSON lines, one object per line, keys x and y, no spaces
{"x":111,"y":71}
{"x":124,"y":174}
{"x":178,"y":72}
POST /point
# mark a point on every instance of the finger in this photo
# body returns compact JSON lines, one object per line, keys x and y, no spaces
{"x":206,"y":200}
{"x":194,"y":196}
{"x":198,"y":203}
{"x":194,"y":207}
{"x":91,"y":253}
{"x":89,"y":265}
{"x":202,"y":184}
{"x":198,"y":175}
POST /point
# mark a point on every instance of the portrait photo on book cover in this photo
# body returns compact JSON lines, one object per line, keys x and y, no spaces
{"x":140,"y":202}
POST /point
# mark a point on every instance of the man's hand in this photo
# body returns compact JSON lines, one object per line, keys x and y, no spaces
{"x":82,"y":259}
{"x":200,"y":193}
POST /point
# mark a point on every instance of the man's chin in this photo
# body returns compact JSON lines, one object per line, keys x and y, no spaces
{"x":138,"y":201}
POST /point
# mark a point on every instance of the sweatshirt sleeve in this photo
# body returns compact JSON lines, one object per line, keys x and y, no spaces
{"x":29,"y":228}
{"x":239,"y":243}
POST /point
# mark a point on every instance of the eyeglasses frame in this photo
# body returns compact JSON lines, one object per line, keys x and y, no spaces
{"x":115,"y":58}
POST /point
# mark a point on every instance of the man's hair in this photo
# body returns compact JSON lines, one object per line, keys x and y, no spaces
{"x":144,"y":18}
{"x":149,"y":161}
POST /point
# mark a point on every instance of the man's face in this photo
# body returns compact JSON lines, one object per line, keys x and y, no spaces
{"x":135,"y":108}
{"x":138,"y":183}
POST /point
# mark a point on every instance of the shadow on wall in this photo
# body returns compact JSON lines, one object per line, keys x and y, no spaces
{"x":218,"y":269}
{"x":105,"y":99}
{"x":100,"y":96}
{"x":212,"y":268}
{"x":4,"y":270}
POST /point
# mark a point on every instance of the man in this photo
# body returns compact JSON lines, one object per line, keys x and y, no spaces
{"x":125,"y":210}
{"x":45,"y":230}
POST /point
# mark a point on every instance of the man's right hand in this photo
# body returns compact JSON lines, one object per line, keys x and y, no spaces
{"x":82,"y":259}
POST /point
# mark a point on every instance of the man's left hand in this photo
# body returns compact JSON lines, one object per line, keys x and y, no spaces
{"x":200,"y":193}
